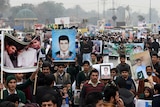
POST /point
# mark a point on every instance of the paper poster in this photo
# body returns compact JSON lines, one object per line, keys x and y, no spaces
{"x":139,"y":61}
{"x":19,"y":56}
{"x":97,"y":46}
{"x":143,"y":103}
{"x":63,"y":45}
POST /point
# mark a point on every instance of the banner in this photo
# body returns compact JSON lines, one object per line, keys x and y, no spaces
{"x":112,"y":48}
{"x":19,"y":56}
{"x":139,"y":61}
{"x":63,"y":45}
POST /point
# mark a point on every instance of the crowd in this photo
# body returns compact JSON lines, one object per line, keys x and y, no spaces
{"x":78,"y":84}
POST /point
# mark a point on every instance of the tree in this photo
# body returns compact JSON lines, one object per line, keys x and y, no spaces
{"x":48,"y":11}
{"x":141,"y":18}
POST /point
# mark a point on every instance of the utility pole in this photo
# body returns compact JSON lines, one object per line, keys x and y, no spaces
{"x":98,"y":9}
{"x":104,"y":4}
{"x":150,"y":12}
{"x":113,"y":13}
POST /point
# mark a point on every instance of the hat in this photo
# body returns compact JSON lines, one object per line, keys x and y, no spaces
{"x":9,"y":78}
{"x":124,"y":69}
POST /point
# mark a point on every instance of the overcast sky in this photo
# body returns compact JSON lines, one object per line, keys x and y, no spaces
{"x":141,"y":6}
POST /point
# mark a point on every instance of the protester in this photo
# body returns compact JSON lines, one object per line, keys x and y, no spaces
{"x":48,"y":88}
{"x":62,"y":77}
{"x":156,"y":96}
{"x":94,"y":99}
{"x":150,"y":81}
{"x":48,"y":101}
{"x":123,"y":65}
{"x":83,"y":75}
{"x":11,"y":89}
{"x":93,"y":85}
{"x":111,"y":97}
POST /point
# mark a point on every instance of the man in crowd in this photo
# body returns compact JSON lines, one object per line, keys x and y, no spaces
{"x":93,"y":58}
{"x":86,"y":49}
{"x":93,"y":85}
{"x":130,"y":85}
{"x":156,"y":97}
{"x":111,"y":97}
{"x":83,"y":75}
{"x":48,"y":88}
{"x":150,"y":81}
{"x":48,"y":101}
{"x":62,"y":77}
{"x":123,"y":65}
{"x":46,"y":70}
{"x":156,"y":64}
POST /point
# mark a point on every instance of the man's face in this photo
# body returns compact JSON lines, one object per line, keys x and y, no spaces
{"x":48,"y":104}
{"x":86,"y":67}
{"x":100,"y":103}
{"x":12,"y":84}
{"x":93,"y":57}
{"x":149,"y":71}
{"x":113,"y":73}
{"x":11,"y":49}
{"x":35,"y":44}
{"x":60,"y":68}
{"x":19,"y":76}
{"x":64,"y":45}
{"x":46,"y":70}
{"x":154,"y":59}
{"x":125,"y":74}
{"x":94,"y":77}
{"x":116,"y":97}
{"x":122,"y":60}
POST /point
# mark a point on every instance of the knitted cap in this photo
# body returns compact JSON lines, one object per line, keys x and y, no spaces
{"x":9,"y":78}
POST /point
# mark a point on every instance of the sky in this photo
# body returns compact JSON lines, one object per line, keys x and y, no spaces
{"x":141,"y":6}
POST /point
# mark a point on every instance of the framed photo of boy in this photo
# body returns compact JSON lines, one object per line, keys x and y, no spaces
{"x":105,"y":71}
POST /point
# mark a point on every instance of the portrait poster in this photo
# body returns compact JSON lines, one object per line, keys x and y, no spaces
{"x":98,"y":67}
{"x":76,"y":96}
{"x":63,"y":45}
{"x":105,"y":71}
{"x":139,"y":61}
{"x":20,"y":56}
{"x":97,"y":46}
{"x":143,"y":103}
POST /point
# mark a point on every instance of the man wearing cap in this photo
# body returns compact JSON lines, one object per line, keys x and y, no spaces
{"x":11,"y":89}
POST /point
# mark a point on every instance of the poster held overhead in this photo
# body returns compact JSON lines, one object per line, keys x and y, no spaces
{"x":63,"y":45}
{"x":19,"y":56}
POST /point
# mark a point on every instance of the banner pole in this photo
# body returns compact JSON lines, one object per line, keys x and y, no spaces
{"x":2,"y":49}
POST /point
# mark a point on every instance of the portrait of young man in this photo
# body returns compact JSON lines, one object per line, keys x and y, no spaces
{"x":63,"y":45}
